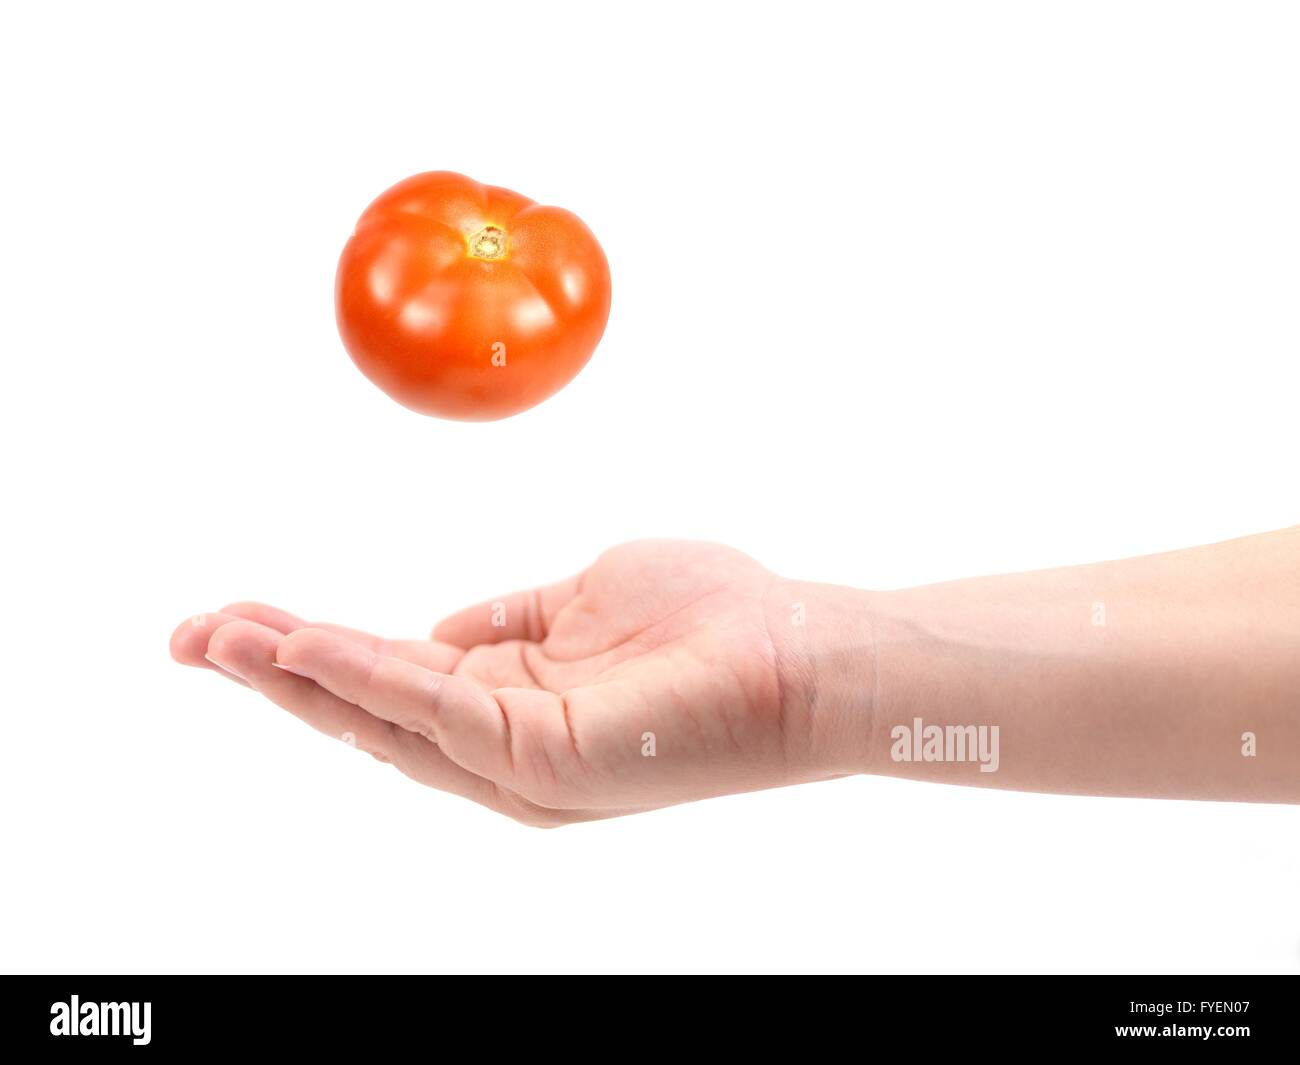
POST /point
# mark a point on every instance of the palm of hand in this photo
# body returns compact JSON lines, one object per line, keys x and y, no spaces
{"x":659,"y":674}
{"x":649,"y":679}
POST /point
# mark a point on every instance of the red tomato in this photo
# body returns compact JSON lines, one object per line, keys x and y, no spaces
{"x":468,"y":301}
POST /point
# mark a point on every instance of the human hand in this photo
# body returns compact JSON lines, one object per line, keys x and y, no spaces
{"x":663,"y":673}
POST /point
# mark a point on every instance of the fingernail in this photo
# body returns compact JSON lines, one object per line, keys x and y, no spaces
{"x":226,"y":669}
{"x":290,"y":669}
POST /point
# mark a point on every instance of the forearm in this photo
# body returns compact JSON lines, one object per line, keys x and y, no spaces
{"x":1176,"y":675}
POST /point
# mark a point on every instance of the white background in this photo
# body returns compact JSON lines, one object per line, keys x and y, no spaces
{"x":902,"y":292}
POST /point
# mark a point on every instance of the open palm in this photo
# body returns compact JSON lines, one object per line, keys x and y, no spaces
{"x":651,"y":678}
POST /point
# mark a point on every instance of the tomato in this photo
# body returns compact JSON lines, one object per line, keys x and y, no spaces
{"x":468,"y":301}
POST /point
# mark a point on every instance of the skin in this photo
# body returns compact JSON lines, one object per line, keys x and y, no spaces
{"x":668,"y":672}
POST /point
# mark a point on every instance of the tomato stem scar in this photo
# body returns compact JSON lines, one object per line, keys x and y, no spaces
{"x":488,"y":243}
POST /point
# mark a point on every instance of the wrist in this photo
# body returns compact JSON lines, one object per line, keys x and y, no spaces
{"x":824,"y":639}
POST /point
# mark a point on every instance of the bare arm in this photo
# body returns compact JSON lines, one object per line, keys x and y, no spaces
{"x":667,"y":672}
{"x":1175,"y":675}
